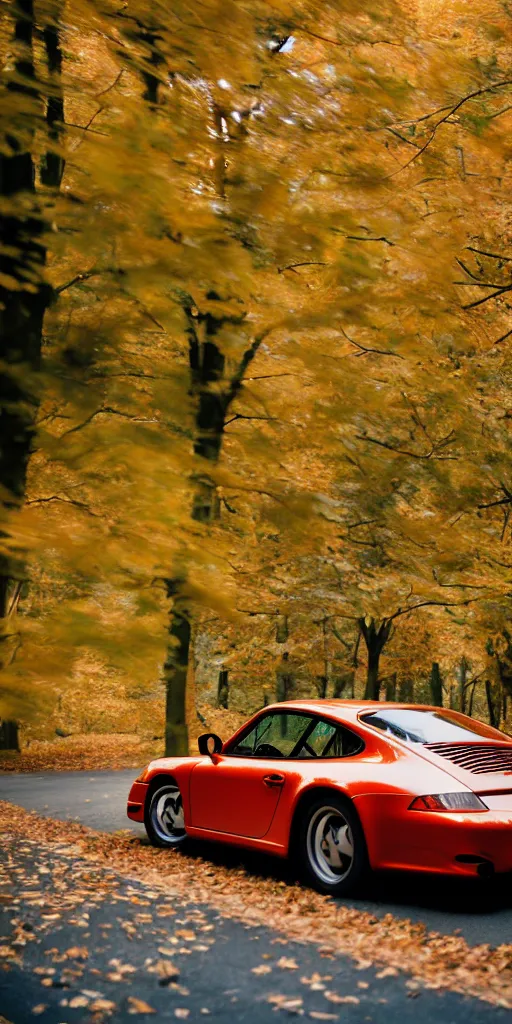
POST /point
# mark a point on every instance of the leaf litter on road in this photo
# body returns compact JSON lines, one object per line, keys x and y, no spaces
{"x":392,"y":944}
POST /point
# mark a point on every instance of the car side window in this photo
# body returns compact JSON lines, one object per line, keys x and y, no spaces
{"x":274,"y":735}
{"x":329,"y":740}
{"x":280,"y":734}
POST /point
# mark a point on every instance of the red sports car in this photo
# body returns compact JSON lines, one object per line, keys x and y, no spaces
{"x":344,"y":786}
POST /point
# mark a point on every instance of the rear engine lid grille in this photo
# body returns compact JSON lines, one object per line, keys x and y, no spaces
{"x":478,"y":758}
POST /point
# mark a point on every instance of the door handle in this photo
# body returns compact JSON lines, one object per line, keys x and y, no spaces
{"x":273,"y":780}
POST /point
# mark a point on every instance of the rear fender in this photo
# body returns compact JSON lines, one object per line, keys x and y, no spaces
{"x":306,"y":797}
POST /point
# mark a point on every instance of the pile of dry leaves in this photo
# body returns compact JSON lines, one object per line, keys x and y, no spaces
{"x":432,"y":960}
{"x":82,"y":753}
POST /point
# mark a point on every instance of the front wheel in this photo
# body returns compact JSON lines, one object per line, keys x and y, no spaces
{"x":163,"y":817}
{"x":331,"y":846}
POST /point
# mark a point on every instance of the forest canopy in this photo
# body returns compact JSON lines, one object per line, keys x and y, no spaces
{"x":256,"y":356}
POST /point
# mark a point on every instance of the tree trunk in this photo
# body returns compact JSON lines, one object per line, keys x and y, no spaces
{"x":391,"y":687}
{"x":223,"y":688}
{"x":372,"y":691}
{"x":282,"y":629}
{"x":9,"y":736}
{"x":212,"y":395}
{"x":493,"y":703}
{"x":175,"y":675}
{"x":375,"y":638}
{"x":285,"y":680}
{"x":462,"y":677}
{"x":342,"y":681}
{"x":406,"y":691}
{"x":472,"y":698}
{"x":436,"y":685}
{"x":52,"y":166}
{"x":24,"y":297}
{"x":321,"y":686}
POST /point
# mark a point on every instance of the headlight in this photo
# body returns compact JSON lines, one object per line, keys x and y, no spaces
{"x":448,"y":802}
{"x":142,"y":776}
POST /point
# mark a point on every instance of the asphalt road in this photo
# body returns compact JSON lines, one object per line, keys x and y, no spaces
{"x":482,"y":913}
{"x":81,"y":944}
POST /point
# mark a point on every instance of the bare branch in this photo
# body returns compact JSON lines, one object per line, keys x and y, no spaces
{"x":491,"y":255}
{"x":107,"y":409}
{"x":364,"y":349}
{"x":237,"y":380}
{"x":499,"y":291}
{"x":65,"y":501}
{"x":425,"y":604}
{"x":457,"y":586}
{"x":432,"y":454}
{"x":368,"y":238}
{"x":309,"y":263}
{"x":241,"y":416}
{"x":503,"y":338}
{"x":77,"y":279}
{"x":451,"y":111}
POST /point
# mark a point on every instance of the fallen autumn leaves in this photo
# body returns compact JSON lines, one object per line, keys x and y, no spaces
{"x":434,"y":961}
{"x":85,"y":753}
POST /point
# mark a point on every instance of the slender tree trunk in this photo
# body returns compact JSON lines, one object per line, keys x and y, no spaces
{"x":52,"y":166}
{"x":462,"y":677}
{"x":282,"y":629}
{"x":493,"y":703}
{"x":175,"y":674}
{"x":375,"y":638}
{"x":285,"y":679}
{"x":391,"y":687}
{"x":327,"y":661}
{"x":436,"y":685}
{"x":212,"y":394}
{"x":406,"y":691}
{"x":342,"y":681}
{"x":24,"y":297}
{"x":471,"y":698}
{"x":223,"y":688}
{"x":372,"y":691}
{"x":321,"y":686}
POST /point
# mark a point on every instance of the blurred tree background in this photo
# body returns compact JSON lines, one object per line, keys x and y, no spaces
{"x":255,"y":360}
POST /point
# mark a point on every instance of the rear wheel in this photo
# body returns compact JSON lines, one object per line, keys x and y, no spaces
{"x":163,"y":818}
{"x":331,"y":845}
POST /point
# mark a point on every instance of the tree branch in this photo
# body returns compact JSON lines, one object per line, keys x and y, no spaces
{"x":499,"y":291}
{"x":107,"y":409}
{"x":414,"y":455}
{"x":309,"y":263}
{"x":65,"y":501}
{"x":451,"y":111}
{"x":77,"y":279}
{"x":491,"y":255}
{"x":363,"y":349}
{"x":237,"y":380}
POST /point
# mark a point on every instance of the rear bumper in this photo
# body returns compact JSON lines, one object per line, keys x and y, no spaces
{"x":428,"y":841}
{"x":136,"y":801}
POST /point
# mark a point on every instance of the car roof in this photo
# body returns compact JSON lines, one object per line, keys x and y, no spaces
{"x":345,"y":709}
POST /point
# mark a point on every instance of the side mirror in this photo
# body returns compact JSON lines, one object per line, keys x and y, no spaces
{"x":209,"y":743}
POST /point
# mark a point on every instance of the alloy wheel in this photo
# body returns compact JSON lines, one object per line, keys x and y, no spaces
{"x":330,"y":845}
{"x":166,"y":815}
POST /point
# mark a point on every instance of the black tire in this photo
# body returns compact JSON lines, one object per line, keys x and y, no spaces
{"x":331,"y":847}
{"x":163,"y":815}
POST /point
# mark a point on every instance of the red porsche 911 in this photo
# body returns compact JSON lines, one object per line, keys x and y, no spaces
{"x":343,"y":786}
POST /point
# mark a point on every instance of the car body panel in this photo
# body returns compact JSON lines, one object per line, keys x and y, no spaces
{"x":232,"y":796}
{"x":228,"y":797}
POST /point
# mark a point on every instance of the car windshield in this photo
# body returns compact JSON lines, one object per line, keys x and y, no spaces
{"x":417,"y":725}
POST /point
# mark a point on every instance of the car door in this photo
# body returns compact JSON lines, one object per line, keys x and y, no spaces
{"x":240,"y":793}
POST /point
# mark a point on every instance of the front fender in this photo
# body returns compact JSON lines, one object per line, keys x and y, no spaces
{"x":178,"y":768}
